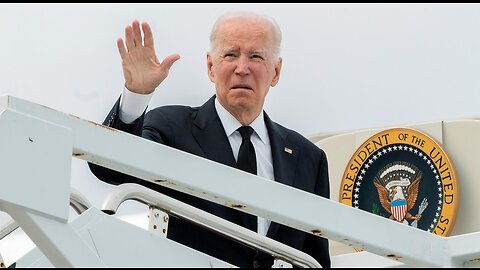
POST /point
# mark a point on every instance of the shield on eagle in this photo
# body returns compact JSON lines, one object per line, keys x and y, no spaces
{"x":398,"y":208}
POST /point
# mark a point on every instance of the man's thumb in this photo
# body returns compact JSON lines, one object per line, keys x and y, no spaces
{"x":169,"y":60}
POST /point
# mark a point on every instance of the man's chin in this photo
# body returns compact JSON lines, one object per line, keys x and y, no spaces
{"x":241,"y":103}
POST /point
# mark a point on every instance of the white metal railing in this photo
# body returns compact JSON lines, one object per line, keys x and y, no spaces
{"x":46,"y":140}
{"x":204,"y":219}
{"x":78,"y":202}
{"x":7,"y":228}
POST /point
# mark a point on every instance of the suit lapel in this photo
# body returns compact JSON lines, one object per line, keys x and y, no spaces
{"x":284,"y":153}
{"x":284,"y":157}
{"x":209,"y":133}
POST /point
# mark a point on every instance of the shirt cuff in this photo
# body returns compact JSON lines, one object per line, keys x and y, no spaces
{"x":132,"y":105}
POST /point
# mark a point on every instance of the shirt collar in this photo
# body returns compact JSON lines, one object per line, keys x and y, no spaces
{"x":231,"y":124}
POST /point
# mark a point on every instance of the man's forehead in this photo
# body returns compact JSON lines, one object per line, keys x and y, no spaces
{"x":244,"y":28}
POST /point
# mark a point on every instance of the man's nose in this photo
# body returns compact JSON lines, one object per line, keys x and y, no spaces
{"x":243,"y":66}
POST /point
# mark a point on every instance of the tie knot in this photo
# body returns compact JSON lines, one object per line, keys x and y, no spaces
{"x":246,"y":132}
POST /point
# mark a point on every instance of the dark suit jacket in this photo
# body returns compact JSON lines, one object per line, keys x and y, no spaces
{"x":199,"y":131}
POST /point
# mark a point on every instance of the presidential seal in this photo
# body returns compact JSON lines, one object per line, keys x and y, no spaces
{"x":404,"y":175}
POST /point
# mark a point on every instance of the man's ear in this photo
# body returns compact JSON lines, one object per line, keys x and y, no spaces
{"x":278,"y":69}
{"x":210,"y":67}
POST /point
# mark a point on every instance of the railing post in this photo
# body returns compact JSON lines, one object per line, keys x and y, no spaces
{"x":157,"y":221}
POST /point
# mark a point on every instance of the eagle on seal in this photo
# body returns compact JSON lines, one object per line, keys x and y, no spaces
{"x":394,"y":200}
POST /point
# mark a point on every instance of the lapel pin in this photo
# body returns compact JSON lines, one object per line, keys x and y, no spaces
{"x":288,"y":150}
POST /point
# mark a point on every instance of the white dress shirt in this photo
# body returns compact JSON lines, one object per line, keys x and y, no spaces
{"x":133,"y":105}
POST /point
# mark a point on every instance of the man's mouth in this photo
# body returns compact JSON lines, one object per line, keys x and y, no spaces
{"x":242,"y":86}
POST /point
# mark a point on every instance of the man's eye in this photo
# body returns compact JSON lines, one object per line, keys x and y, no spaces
{"x":257,"y":57}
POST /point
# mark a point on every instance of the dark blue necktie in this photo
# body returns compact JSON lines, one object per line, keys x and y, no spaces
{"x":247,"y":160}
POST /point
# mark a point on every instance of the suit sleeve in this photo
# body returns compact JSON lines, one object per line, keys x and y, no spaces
{"x":112,"y":120}
{"x":136,"y":128}
{"x":314,"y":245}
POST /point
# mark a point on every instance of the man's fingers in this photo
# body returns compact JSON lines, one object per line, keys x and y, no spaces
{"x":121,"y":48}
{"x":129,"y":38}
{"x":147,"y":35}
{"x":137,"y":34}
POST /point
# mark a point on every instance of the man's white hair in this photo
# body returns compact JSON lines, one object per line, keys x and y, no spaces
{"x":277,"y":34}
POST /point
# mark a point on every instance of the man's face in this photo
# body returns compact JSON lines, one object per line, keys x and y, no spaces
{"x":243,"y":65}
